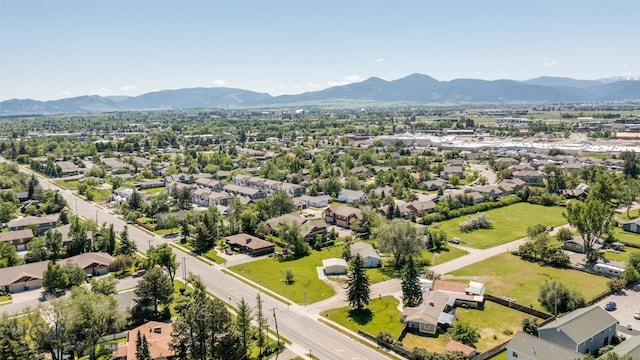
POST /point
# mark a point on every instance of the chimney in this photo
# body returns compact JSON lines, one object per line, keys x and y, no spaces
{"x":248,"y":240}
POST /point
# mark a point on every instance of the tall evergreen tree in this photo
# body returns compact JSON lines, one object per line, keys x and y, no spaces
{"x":243,"y":324}
{"x":127,"y":246}
{"x":411,"y":288}
{"x":142,"y":347}
{"x":358,"y":284}
{"x":13,"y":343}
{"x":261,"y":337}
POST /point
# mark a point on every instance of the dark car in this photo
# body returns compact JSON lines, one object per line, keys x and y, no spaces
{"x":455,"y":240}
{"x":138,"y":273}
{"x":610,"y":306}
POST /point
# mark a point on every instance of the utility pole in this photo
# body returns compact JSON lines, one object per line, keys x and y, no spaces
{"x":184,"y":268}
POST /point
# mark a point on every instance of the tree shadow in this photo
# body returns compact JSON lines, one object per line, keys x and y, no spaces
{"x":361,"y":317}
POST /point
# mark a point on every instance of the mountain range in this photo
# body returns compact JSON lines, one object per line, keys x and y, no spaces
{"x":414,"y":89}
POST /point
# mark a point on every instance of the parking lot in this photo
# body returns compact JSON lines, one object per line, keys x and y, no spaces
{"x":627,"y":303}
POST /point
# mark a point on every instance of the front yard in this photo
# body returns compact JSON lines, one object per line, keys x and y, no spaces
{"x":270,"y":273}
{"x":509,"y":223}
{"x":382,"y":315}
{"x":508,"y":275}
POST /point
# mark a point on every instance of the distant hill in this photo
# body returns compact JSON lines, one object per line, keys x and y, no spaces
{"x":415,"y":88}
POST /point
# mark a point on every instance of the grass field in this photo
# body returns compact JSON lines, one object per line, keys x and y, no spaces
{"x":67,"y":184}
{"x":306,"y":284}
{"x":495,"y":320}
{"x":626,"y":236}
{"x":499,"y":356}
{"x":508,"y":275}
{"x":153,"y":191}
{"x":383,"y":315}
{"x":509,"y":223}
{"x":446,"y":254}
{"x":213,"y":256}
{"x":622,"y":256}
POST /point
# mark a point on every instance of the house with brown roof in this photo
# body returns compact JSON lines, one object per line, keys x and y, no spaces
{"x":18,"y":238}
{"x":249,"y":244}
{"x":342,"y":215}
{"x":452,"y":170}
{"x":454,"y":346}
{"x":68,"y":168}
{"x":158,"y":336}
{"x":42,"y":223}
{"x":309,"y":229}
{"x":29,"y":276}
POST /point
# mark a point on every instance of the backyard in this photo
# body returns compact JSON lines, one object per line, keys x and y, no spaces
{"x":508,"y":275}
{"x":306,"y":285}
{"x":509,"y":223}
{"x":496,"y":324}
{"x":626,"y":237}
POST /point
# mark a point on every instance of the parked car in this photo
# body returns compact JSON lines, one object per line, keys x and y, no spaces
{"x":637,"y":315}
{"x":138,"y":273}
{"x":610,"y":306}
{"x":228,"y":252}
{"x":455,"y":240}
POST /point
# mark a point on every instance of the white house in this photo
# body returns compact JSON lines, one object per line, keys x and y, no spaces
{"x":367,"y":252}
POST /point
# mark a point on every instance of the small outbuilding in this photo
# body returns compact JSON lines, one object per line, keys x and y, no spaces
{"x":334,"y":266}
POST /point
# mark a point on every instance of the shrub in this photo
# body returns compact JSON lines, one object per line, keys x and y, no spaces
{"x":481,"y":221}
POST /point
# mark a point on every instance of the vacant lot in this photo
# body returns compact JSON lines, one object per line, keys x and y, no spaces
{"x":509,"y":223}
{"x":270,"y":273}
{"x":626,"y":237}
{"x":383,"y":315}
{"x":496,"y":324}
{"x":508,"y":275}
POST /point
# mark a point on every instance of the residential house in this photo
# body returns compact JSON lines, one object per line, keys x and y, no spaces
{"x":584,"y":330}
{"x":162,"y":217}
{"x":435,"y":184}
{"x":524,"y":346}
{"x":349,"y":196}
{"x":251,"y":193}
{"x":309,"y":229}
{"x":114,"y":164}
{"x":22,"y":196}
{"x":469,"y":295}
{"x":614,"y":164}
{"x":452,"y":170}
{"x":179,"y":178}
{"x":432,"y":315}
{"x":29,"y":276}
{"x":533,"y":178}
{"x":158,"y":335}
{"x":361,"y":170}
{"x":454,"y":346}
{"x":18,"y":238}
{"x":367,"y":252}
{"x":630,"y":347}
{"x":419,"y":208}
{"x":68,"y":168}
{"x":334,"y":266}
{"x":250,"y":245}
{"x":320,"y":201}
{"x":150,"y":184}
{"x":491,"y":192}
{"x":383,"y":191}
{"x":342,"y":215}
{"x":41,"y":223}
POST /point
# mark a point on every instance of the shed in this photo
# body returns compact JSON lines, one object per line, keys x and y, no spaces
{"x":334,"y":266}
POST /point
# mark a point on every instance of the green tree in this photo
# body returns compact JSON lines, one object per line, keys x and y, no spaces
{"x":53,"y":243}
{"x":243,"y":324}
{"x":263,"y":325}
{"x":7,"y":211}
{"x":155,"y":287}
{"x":400,"y":238}
{"x":105,"y":285}
{"x":142,"y":347}
{"x":135,"y":200}
{"x":291,"y":235}
{"x":163,"y":256}
{"x":75,"y":274}
{"x":437,"y":238}
{"x":288,"y":275}
{"x":557,"y":298}
{"x":14,"y":345}
{"x":411,"y":287}
{"x":462,"y":332}
{"x":127,"y":246}
{"x":78,"y":235}
{"x":37,"y":250}
{"x":358,"y":284}
{"x":55,"y":279}
{"x":64,"y":217}
{"x":8,"y":255}
{"x":592,"y":219}
{"x":530,"y":326}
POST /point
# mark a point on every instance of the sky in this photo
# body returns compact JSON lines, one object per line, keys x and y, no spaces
{"x":56,"y":49}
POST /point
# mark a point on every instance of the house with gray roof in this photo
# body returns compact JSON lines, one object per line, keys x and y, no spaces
{"x":630,"y":346}
{"x":18,"y":238}
{"x":367,"y":252}
{"x":432,"y":315}
{"x":584,"y":330}
{"x":524,"y":346}
{"x":41,"y":223}
{"x":349,"y":196}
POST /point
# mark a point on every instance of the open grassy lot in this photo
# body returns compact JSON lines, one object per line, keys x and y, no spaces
{"x":153,"y":191}
{"x":508,"y":275}
{"x":626,"y":237}
{"x":509,"y":223}
{"x":383,"y":315}
{"x":446,"y":254}
{"x":622,"y":256}
{"x":495,"y":320}
{"x":67,"y":184}
{"x":270,"y":274}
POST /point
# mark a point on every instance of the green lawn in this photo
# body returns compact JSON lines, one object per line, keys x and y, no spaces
{"x":67,"y":184}
{"x":153,"y":191}
{"x":383,"y":315}
{"x":446,"y":254}
{"x":162,"y":232}
{"x":270,"y":272}
{"x":99,"y":194}
{"x":508,"y":275}
{"x":509,"y":223}
{"x":4,"y":298}
{"x":622,"y":256}
{"x":502,"y":355}
{"x":627,"y":237}
{"x":213,"y":256}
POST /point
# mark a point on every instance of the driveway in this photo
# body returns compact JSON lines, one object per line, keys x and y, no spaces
{"x":485,"y":171}
{"x":627,"y":303}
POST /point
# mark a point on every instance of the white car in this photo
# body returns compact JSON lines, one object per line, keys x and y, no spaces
{"x":637,"y":315}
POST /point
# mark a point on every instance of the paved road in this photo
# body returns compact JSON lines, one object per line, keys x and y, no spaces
{"x":485,"y":171}
{"x":295,"y":322}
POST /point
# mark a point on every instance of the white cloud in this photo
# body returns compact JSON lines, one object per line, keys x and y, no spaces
{"x":549,"y":62}
{"x":65,"y":94}
{"x":349,"y":79}
{"x":128,"y":87}
{"x":313,"y":86}
{"x":353,"y":78}
{"x":219,"y":83}
{"x":379,"y":60}
{"x":101,"y":92}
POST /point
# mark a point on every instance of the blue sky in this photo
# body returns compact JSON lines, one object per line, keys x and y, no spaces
{"x":54,"y":49}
